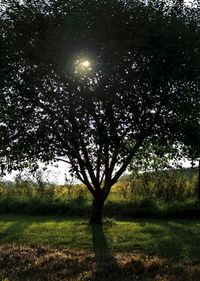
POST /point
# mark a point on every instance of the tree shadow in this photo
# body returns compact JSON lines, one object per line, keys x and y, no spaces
{"x":174,"y":240}
{"x":13,"y":232}
{"x":106,"y":264}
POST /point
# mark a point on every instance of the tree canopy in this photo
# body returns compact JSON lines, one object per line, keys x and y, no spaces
{"x":92,"y":82}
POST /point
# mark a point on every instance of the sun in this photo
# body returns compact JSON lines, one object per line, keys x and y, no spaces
{"x":83,"y":66}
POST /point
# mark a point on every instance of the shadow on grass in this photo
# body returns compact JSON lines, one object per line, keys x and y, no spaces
{"x":13,"y":232}
{"x":106,"y":264}
{"x":172,"y":239}
{"x":175,"y":240}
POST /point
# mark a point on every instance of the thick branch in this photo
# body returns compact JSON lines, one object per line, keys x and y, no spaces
{"x":88,"y":165}
{"x":136,"y":147}
{"x":98,"y":165}
{"x":76,"y":152}
{"x":126,"y":162}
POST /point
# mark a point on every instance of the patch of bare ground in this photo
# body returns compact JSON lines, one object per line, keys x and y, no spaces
{"x":43,"y":263}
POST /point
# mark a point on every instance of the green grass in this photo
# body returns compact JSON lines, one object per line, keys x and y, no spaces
{"x":174,"y":239}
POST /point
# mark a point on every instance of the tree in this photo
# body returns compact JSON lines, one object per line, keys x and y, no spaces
{"x":93,"y":82}
{"x":189,"y":145}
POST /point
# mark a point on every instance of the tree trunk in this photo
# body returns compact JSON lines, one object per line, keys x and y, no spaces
{"x":198,"y":187}
{"x":97,"y":209}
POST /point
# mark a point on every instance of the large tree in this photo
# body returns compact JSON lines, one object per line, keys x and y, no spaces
{"x":92,"y":82}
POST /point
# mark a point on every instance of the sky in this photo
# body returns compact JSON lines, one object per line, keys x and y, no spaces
{"x":59,"y":173}
{"x":53,"y":174}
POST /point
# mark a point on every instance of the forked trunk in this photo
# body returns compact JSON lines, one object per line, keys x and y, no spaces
{"x":97,"y":210}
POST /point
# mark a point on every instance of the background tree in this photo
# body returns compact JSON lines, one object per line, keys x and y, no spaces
{"x":189,"y":145}
{"x":92,"y":82}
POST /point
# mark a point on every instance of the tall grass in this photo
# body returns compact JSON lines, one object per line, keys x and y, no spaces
{"x":166,"y":186}
{"x":157,"y":195}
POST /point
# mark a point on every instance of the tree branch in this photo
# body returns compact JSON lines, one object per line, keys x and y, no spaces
{"x":126,"y":162}
{"x":63,"y":160}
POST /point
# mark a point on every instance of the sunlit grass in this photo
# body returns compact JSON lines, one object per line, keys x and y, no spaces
{"x":177,"y":239}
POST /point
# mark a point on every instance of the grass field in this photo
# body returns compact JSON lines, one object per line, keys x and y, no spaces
{"x":60,"y":248}
{"x":176,"y":240}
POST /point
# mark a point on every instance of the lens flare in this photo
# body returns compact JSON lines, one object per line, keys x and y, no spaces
{"x":83,"y":66}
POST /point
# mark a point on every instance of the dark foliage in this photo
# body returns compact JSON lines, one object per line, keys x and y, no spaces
{"x":142,"y":83}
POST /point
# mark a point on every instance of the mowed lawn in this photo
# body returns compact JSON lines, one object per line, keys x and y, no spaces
{"x":173,"y":239}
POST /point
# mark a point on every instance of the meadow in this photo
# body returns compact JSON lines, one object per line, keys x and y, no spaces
{"x":61,"y":248}
{"x":151,"y":230}
{"x":173,"y":239}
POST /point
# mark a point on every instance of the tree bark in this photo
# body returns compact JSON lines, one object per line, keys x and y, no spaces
{"x":97,"y":210}
{"x":198,"y":187}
